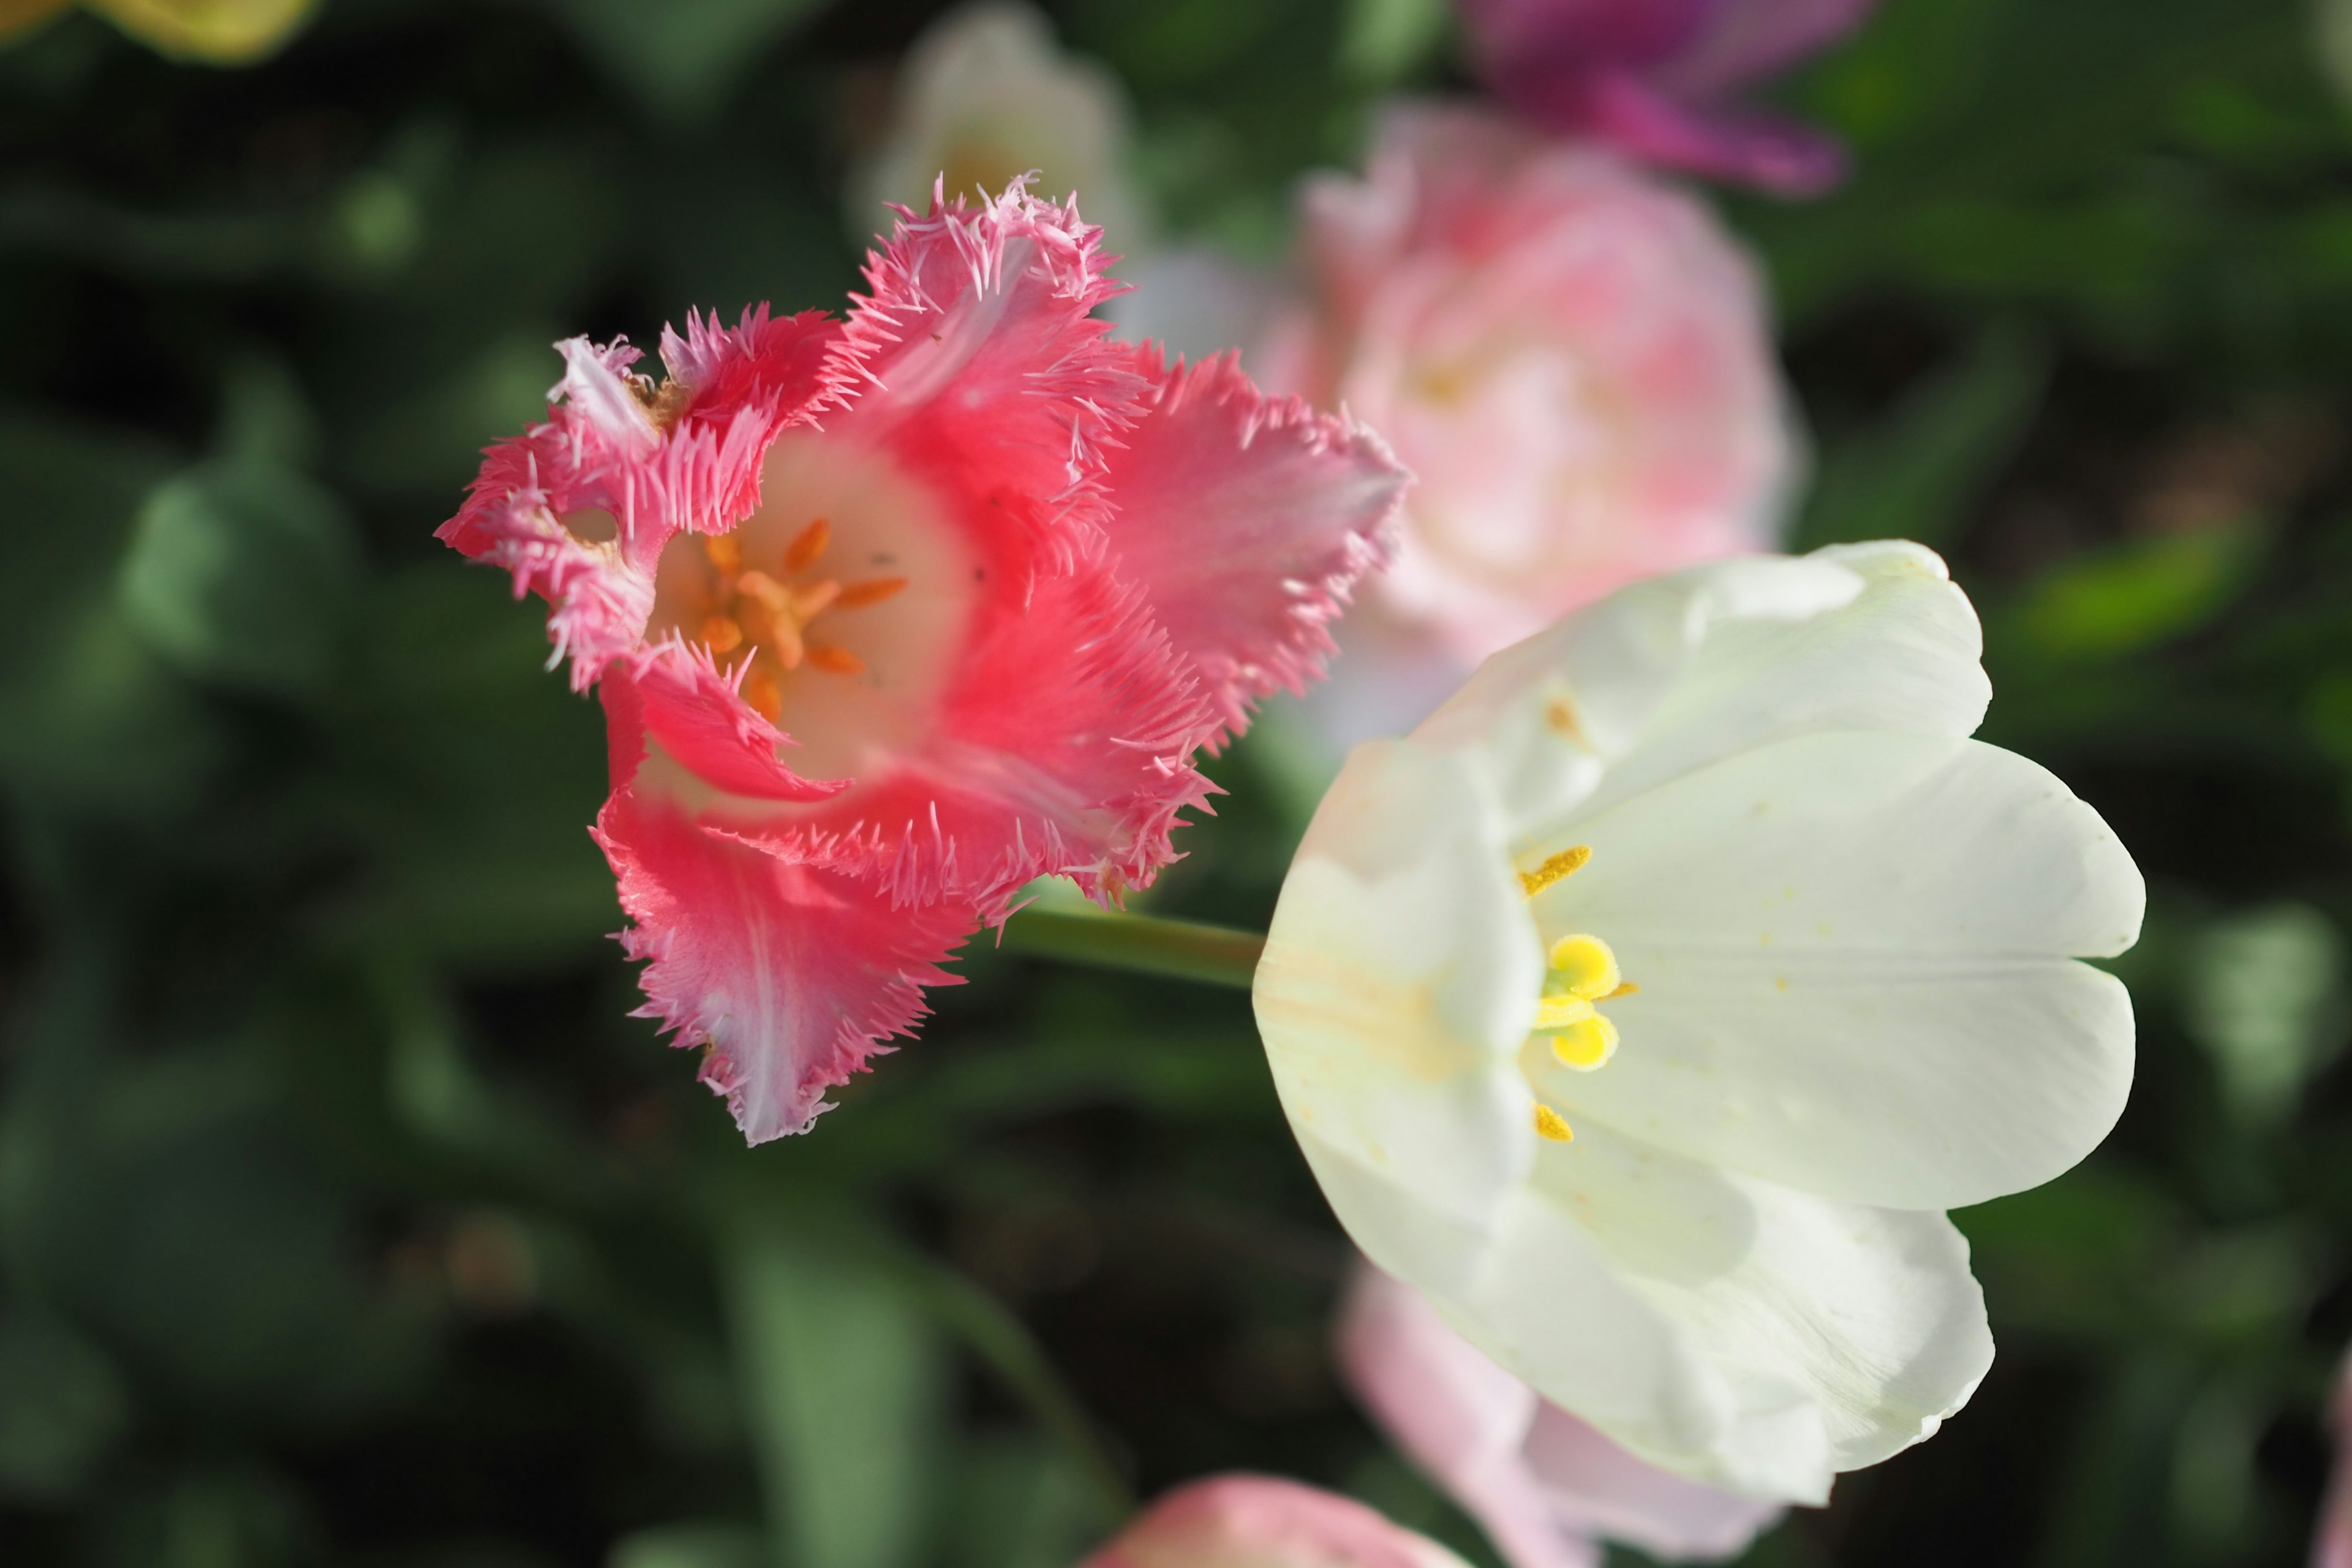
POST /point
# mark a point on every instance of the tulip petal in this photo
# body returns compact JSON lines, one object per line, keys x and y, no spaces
{"x":1399,"y":976}
{"x":1250,"y":518}
{"x":791,"y":976}
{"x":1853,"y":955}
{"x":1740,"y":1333}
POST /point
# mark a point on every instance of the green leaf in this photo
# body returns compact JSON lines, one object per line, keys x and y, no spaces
{"x":846,"y":1380}
{"x":683,"y":58}
{"x":2133,"y":595}
{"x":2265,"y":1000}
{"x":1917,"y":474}
{"x":62,"y":1405}
{"x":243,"y":574}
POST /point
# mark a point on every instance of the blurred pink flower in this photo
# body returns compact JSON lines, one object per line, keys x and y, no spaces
{"x":1546,"y":1486}
{"x":1259,"y":1522}
{"x":996,"y":601}
{"x":1572,"y":356}
{"x":1657,"y":79}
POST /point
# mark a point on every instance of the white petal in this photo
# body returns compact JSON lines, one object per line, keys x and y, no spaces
{"x":1545,"y":716}
{"x":1851,"y":955}
{"x":1737,"y":1333}
{"x":1904,"y":655}
{"x":1399,"y":976}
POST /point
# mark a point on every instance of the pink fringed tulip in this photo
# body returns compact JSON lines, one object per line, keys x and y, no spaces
{"x":992,"y":575}
{"x":1546,"y":1486}
{"x":1572,"y":356}
{"x":1259,"y":1522}
{"x":1657,"y":79}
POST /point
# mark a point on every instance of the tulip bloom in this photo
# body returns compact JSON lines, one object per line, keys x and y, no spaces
{"x":1572,"y":356}
{"x":991,"y":576}
{"x":1546,"y":1486}
{"x":1259,"y":1522}
{"x":1645,"y":1007}
{"x":1656,"y":79}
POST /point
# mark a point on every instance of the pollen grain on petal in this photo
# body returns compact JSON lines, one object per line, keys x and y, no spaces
{"x":1555,"y":868}
{"x":808,"y":544}
{"x":1552,"y":1126}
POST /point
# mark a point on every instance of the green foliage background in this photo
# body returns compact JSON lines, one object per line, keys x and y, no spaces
{"x":347,"y":1217}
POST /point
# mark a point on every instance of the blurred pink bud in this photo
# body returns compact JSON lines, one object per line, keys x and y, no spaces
{"x":1571,"y":355}
{"x":1546,"y":1486}
{"x":1656,"y":79}
{"x":1260,"y":1521}
{"x":2331,"y":1544}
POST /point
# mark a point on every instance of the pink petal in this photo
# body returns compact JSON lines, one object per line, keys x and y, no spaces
{"x":602,"y":451}
{"x":680,"y":697}
{"x":791,"y":975}
{"x":1545,"y":1486}
{"x":1745,"y":41}
{"x":1259,"y":1522}
{"x":1248,"y":520}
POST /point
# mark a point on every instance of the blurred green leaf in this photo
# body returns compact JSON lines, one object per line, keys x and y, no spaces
{"x":62,"y":1405}
{"x":1383,"y":41}
{"x":1916,"y":473}
{"x":2266,"y":999}
{"x":683,"y":58}
{"x":2129,"y":596}
{"x":245,"y":574}
{"x":844,"y":1383}
{"x":713,"y":1543}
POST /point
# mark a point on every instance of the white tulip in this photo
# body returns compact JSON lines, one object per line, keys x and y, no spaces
{"x":1704,"y":1214}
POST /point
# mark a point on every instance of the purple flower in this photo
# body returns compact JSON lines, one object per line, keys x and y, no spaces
{"x":1657,"y":79}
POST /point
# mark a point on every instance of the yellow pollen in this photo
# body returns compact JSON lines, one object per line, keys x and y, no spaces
{"x":1585,"y":1044}
{"x":1583,"y":966}
{"x":1551,"y":1125}
{"x":1560,"y":1011}
{"x":722,"y":634}
{"x":808,"y":544}
{"x":1555,"y":868}
{"x":1625,"y":988}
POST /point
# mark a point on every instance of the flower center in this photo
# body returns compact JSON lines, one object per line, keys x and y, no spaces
{"x":1580,"y":972}
{"x":740,"y":604}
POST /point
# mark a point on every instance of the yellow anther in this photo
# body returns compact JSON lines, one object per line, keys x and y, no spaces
{"x":1551,"y":1125}
{"x":720,"y":633}
{"x":1560,"y":1011}
{"x":724,"y":551}
{"x":808,"y":544}
{"x":1585,"y":1044}
{"x":1625,"y":988}
{"x":1557,"y":867}
{"x":834,"y":659}
{"x":1583,"y":966}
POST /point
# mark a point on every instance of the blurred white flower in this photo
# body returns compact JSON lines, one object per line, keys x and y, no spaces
{"x":987,"y":94}
{"x":1746,"y":789}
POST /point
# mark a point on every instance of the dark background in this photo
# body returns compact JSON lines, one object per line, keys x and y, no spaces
{"x":347,"y":1217}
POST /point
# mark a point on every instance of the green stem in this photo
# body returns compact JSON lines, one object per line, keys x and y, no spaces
{"x":1141,"y":944}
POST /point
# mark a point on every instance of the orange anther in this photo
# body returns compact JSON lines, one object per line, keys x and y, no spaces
{"x":873,"y":591}
{"x":808,"y":544}
{"x":725,"y":550}
{"x":720,"y":633}
{"x":762,"y":694}
{"x":834,"y":659}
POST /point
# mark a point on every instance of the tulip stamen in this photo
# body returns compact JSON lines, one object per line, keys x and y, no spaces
{"x":1552,"y":1126}
{"x":1556,"y":868}
{"x":771,"y":612}
{"x":1581,"y":973}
